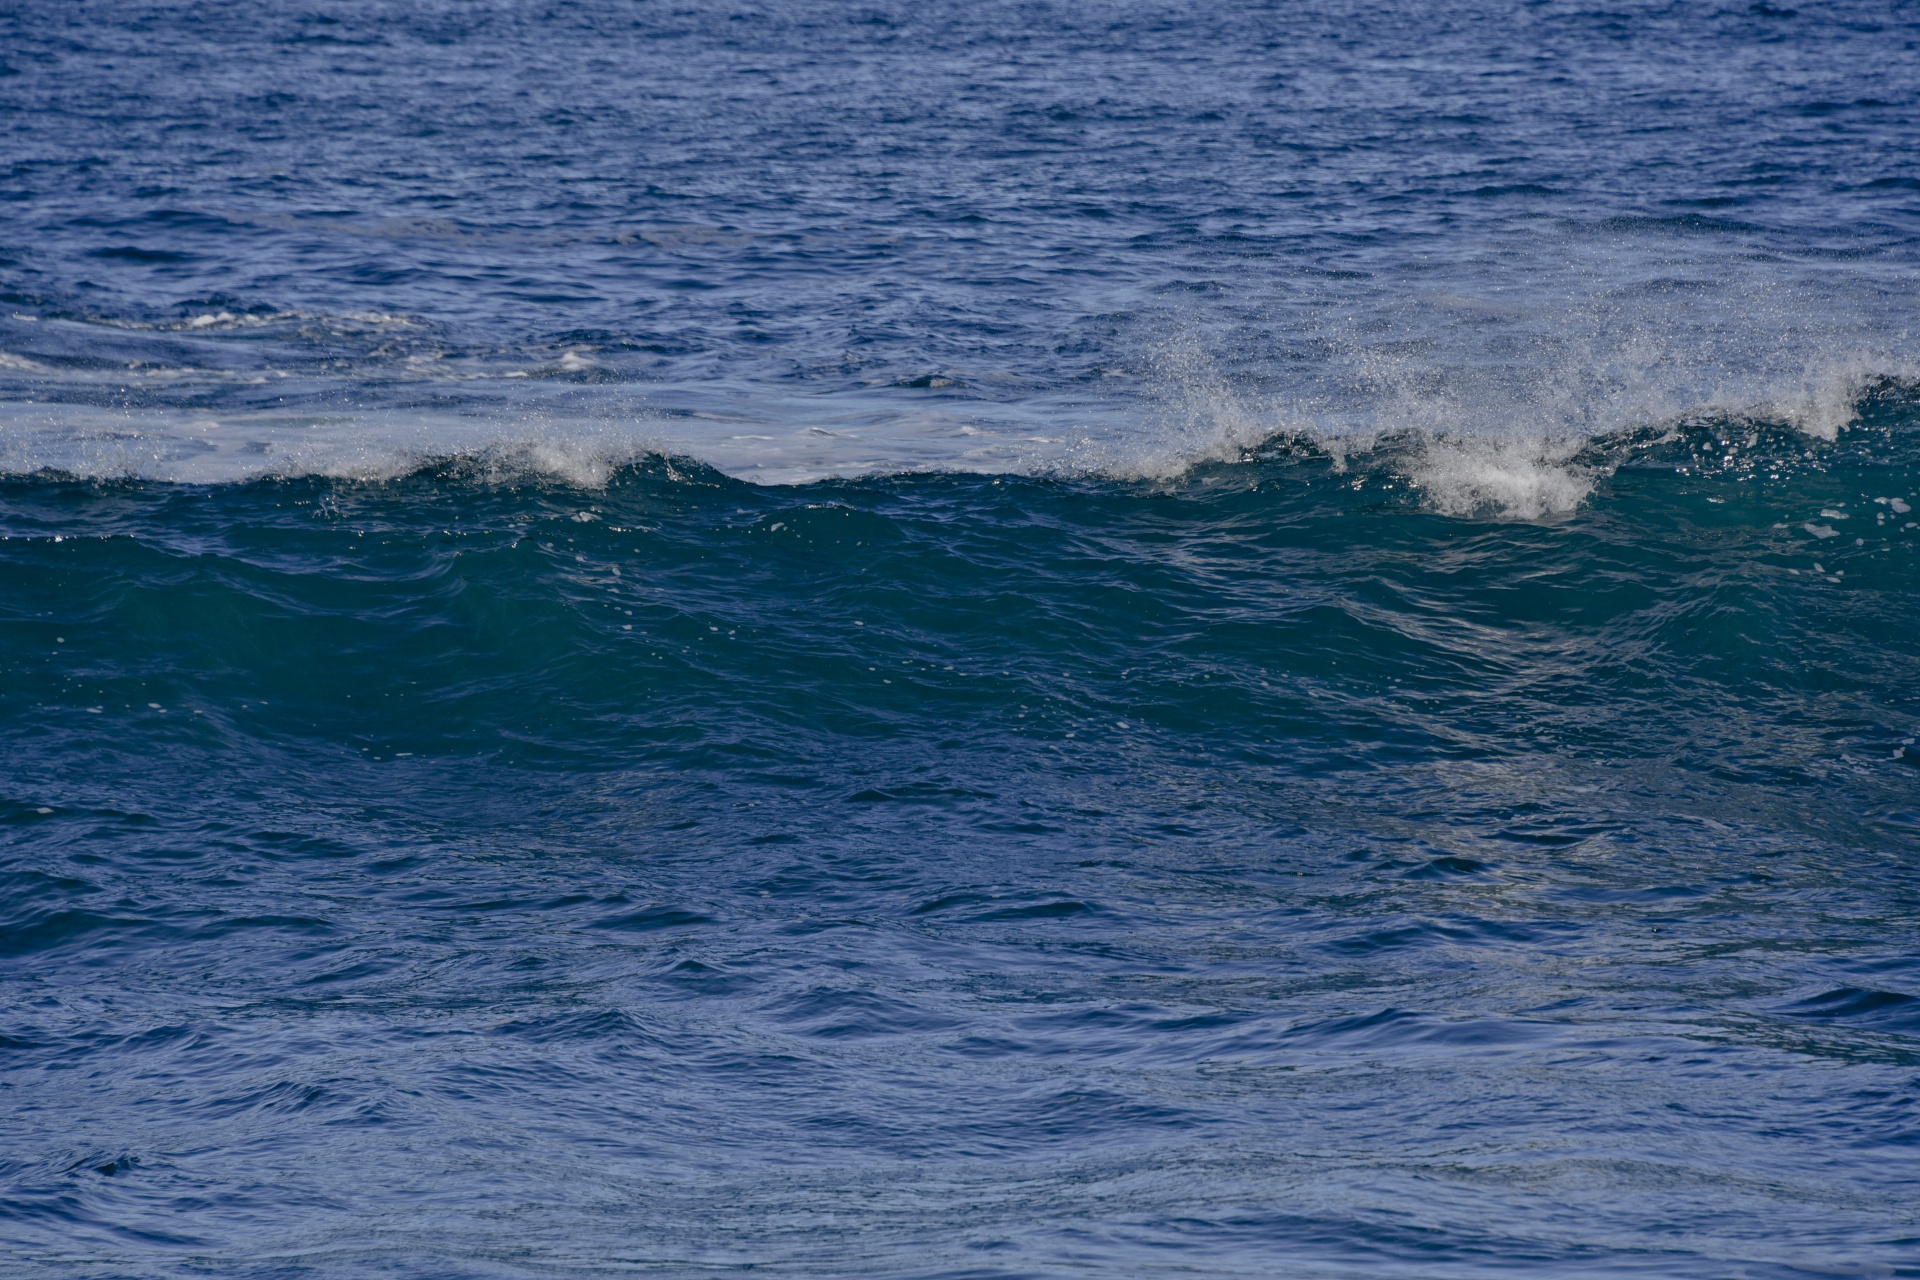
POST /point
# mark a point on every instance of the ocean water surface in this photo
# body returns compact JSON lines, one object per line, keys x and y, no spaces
{"x":995,"y":640}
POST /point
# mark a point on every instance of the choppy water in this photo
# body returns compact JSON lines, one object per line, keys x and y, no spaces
{"x":996,"y":640}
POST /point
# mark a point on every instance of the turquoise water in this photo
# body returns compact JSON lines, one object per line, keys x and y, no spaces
{"x":959,"y":643}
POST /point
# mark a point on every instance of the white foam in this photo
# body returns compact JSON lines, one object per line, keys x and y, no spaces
{"x":1487,"y":406}
{"x":1521,"y":480}
{"x":1505,"y":423}
{"x":222,"y":320}
{"x":1498,"y":456}
{"x":346,"y":320}
{"x":545,"y":430}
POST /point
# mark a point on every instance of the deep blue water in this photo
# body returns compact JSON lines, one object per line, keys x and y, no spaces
{"x":996,"y":640}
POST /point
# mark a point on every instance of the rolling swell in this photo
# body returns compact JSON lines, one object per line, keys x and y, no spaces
{"x":983,"y":866}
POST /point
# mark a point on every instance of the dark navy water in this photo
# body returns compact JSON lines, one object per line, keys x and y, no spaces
{"x":1007,"y":640}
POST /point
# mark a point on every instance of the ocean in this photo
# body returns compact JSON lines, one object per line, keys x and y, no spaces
{"x":959,"y":640}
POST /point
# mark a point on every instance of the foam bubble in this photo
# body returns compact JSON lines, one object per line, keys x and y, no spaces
{"x":1518,"y":479}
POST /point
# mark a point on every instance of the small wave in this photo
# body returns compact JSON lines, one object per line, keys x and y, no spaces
{"x":194,"y":449}
{"x":1510,"y":405}
{"x":583,"y":442}
{"x":1882,"y":1010}
{"x":220,"y":319}
{"x":1517,"y":441}
{"x":248,"y":320}
{"x":1469,"y":444}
